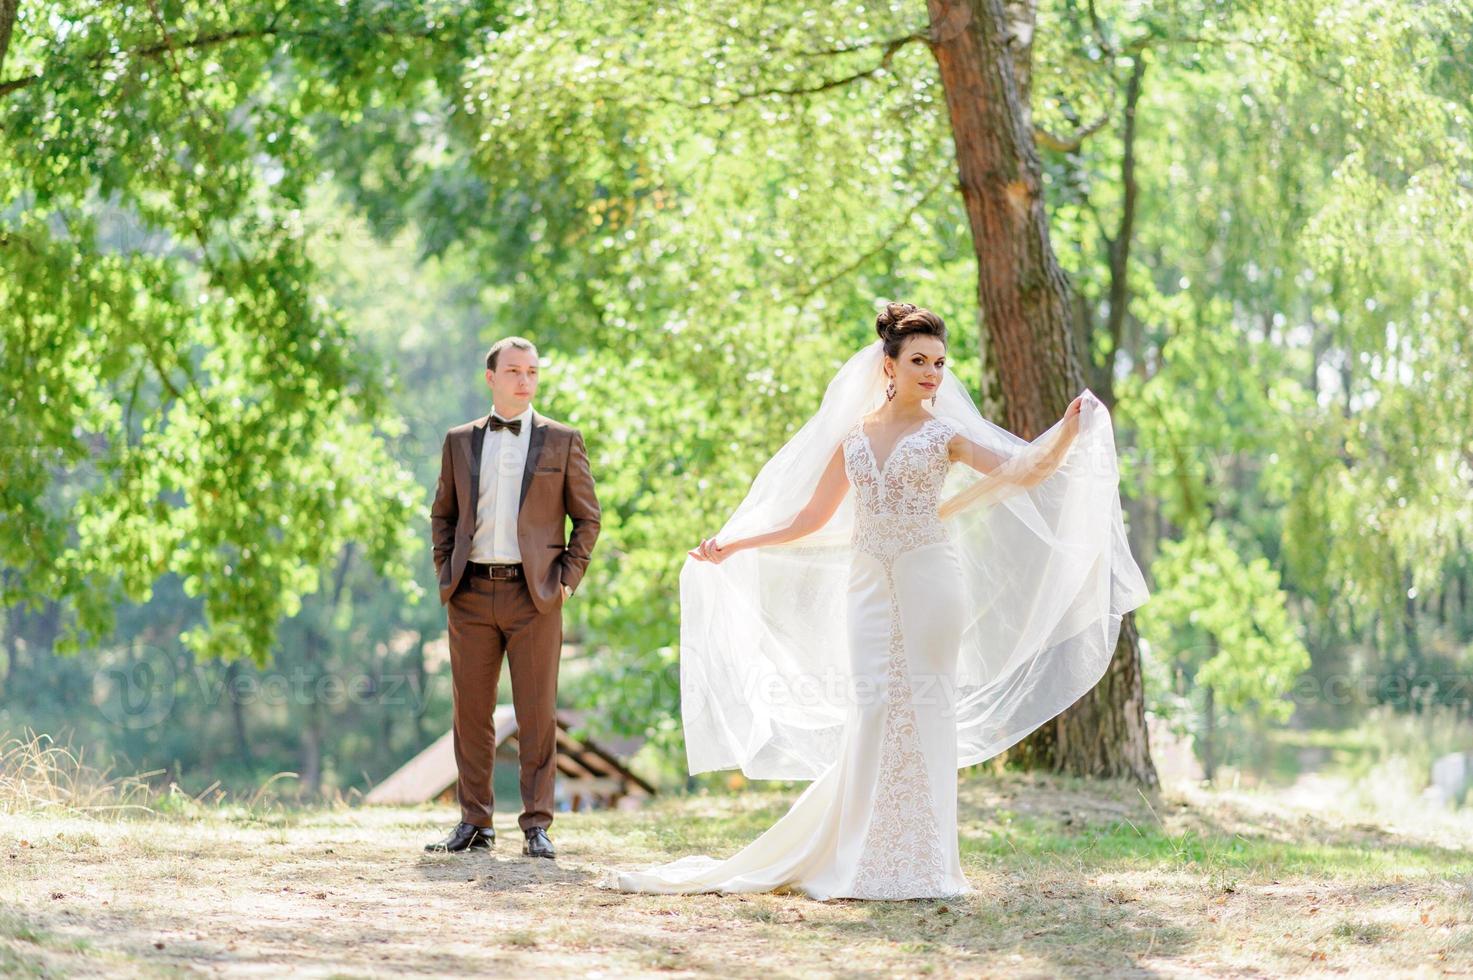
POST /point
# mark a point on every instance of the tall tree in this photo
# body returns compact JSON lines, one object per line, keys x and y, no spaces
{"x":1025,"y":301}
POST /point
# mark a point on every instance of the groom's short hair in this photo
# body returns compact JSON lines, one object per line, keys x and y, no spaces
{"x":520,"y":343}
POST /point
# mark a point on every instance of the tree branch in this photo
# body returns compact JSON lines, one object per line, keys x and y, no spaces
{"x":890,"y":49}
{"x":862,"y":46}
{"x":1098,"y":25}
{"x":160,"y":48}
{"x":883,"y":243}
{"x":1071,"y":144}
{"x":155,"y":50}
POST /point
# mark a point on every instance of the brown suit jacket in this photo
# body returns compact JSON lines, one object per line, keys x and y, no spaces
{"x":556,"y":485}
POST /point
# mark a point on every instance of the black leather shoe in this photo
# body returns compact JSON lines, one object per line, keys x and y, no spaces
{"x":465,"y":837}
{"x":537,"y":845}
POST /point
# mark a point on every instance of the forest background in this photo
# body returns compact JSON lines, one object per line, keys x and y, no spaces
{"x":251,"y":256}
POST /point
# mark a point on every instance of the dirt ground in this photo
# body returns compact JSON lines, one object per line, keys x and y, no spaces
{"x":1070,"y":880}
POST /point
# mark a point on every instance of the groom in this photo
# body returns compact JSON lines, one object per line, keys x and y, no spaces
{"x":509,"y":483}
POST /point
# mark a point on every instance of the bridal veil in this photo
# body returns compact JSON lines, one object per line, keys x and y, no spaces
{"x":764,"y":669}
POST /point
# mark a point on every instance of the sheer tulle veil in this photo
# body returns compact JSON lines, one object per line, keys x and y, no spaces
{"x":764,"y":675}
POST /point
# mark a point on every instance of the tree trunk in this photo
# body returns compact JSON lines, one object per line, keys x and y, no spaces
{"x":1209,"y":734}
{"x":421,"y":682}
{"x":1409,"y":625}
{"x":315,"y":655}
{"x":1119,"y":246}
{"x":1025,"y":302}
{"x":310,"y":779}
{"x":1465,"y":621}
{"x":237,"y":715}
{"x":1022,"y":292}
{"x":8,"y":9}
{"x":12,"y":635}
{"x":1103,"y":734}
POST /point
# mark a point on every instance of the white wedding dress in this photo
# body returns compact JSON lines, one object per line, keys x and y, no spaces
{"x":880,"y":821}
{"x":938,"y":617}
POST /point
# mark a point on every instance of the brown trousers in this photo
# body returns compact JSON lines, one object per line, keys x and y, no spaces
{"x":489,"y":619}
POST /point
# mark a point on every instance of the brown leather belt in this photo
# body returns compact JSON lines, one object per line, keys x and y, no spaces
{"x":509,"y":572}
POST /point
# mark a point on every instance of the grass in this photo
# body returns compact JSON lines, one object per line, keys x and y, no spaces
{"x":1071,"y":878}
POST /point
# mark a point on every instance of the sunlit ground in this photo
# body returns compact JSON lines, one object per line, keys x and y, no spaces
{"x":1070,"y":877}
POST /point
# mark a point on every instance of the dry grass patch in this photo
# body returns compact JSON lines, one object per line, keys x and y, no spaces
{"x":1071,"y":878}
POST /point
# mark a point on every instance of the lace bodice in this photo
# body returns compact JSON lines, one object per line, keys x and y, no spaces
{"x":897,"y":502}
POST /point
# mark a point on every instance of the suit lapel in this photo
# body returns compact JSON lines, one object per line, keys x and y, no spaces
{"x":534,"y":447}
{"x":477,"y":440}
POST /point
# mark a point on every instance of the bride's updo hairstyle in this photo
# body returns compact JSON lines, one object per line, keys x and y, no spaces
{"x":899,"y":321}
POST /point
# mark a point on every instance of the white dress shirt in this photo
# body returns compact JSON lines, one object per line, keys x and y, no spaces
{"x":503,"y":458}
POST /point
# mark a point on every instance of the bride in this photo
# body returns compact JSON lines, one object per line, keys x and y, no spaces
{"x":876,"y":641}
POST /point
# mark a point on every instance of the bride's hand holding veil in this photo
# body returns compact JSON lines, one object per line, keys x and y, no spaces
{"x":1075,"y":407}
{"x":709,"y":550}
{"x":1025,"y":470}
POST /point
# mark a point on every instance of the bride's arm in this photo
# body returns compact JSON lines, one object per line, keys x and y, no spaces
{"x":985,"y":461}
{"x":963,"y":450}
{"x":1023,"y":470}
{"x":815,"y":514}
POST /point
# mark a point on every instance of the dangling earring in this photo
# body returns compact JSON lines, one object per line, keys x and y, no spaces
{"x":890,"y":391}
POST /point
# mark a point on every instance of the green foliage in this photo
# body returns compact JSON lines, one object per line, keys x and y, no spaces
{"x":166,"y":346}
{"x":695,"y":257}
{"x":252,"y":252}
{"x":1291,"y":377}
{"x":1224,"y":624}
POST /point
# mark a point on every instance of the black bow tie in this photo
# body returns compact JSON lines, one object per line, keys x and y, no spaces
{"x":515,"y":425}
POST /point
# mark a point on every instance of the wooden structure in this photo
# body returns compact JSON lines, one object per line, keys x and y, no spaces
{"x":589,"y":774}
